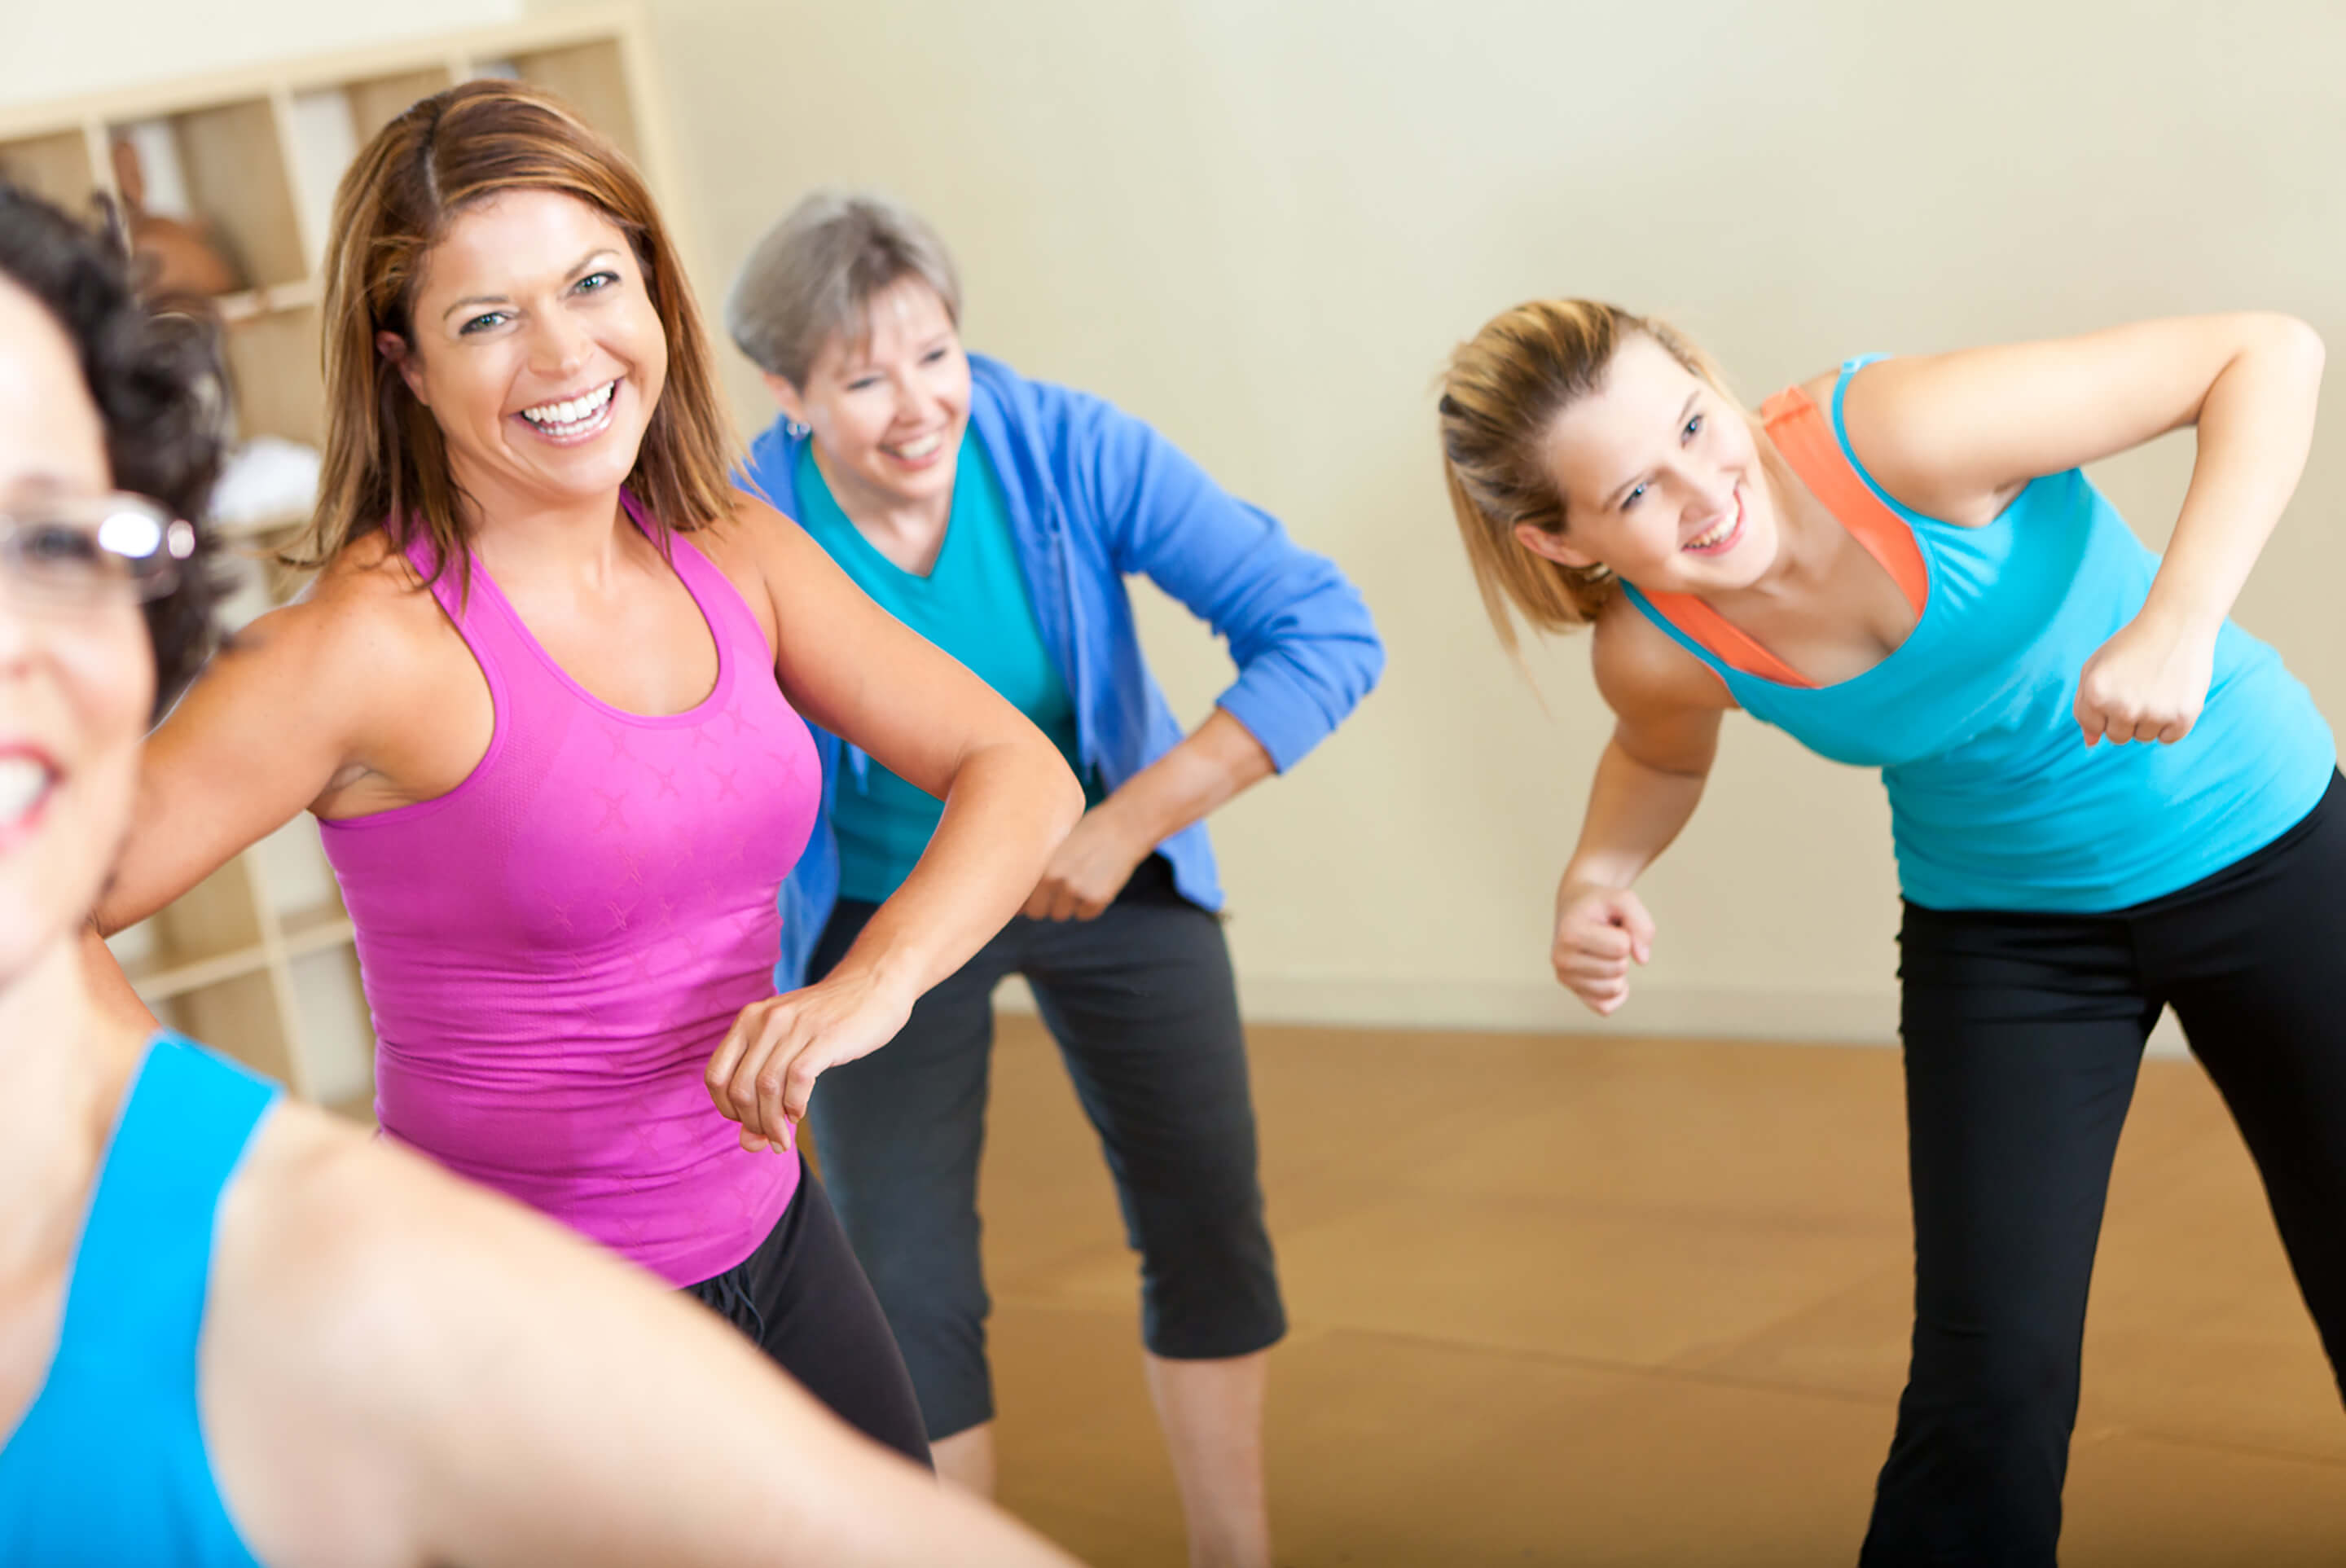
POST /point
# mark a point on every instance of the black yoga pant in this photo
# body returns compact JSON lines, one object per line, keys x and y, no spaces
{"x":2022,"y":1035}
{"x":802,"y":1299}
{"x":1142,"y":1003}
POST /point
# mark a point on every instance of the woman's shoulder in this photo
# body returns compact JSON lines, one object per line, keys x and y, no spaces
{"x":1640,"y":667}
{"x":1047,"y":410}
{"x":367,"y":604}
{"x":358,"y":1292}
{"x":369,"y":576}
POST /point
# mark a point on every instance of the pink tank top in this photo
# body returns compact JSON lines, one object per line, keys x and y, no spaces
{"x":553,"y":948}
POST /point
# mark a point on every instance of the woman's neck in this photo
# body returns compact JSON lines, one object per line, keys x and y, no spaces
{"x":64,"y":1066}
{"x":565,"y":536}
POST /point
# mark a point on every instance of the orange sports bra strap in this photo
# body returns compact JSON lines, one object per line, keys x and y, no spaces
{"x":1727,"y":642}
{"x":1800,"y":431}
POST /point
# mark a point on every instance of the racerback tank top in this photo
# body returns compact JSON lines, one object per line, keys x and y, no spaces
{"x":1996,"y":801}
{"x":109,"y":1466}
{"x":552,"y":950}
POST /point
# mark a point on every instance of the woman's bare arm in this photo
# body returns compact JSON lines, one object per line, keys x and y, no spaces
{"x":1666,"y":710}
{"x":1009,"y":798}
{"x":403,"y":1370}
{"x":1957,"y":435}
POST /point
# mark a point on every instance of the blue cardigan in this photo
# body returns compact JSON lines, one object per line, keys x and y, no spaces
{"x":1095,"y":494}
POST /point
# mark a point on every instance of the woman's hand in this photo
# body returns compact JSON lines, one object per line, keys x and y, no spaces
{"x":1089,"y":868}
{"x":1600,"y":930}
{"x":763,"y":1073}
{"x":2146,"y":683}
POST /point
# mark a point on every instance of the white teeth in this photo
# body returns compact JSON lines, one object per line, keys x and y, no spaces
{"x":915,"y":450}
{"x":23,"y":782}
{"x":1713,"y":537}
{"x":573,"y":411}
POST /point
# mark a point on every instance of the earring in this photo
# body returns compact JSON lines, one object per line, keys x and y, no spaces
{"x":796,"y":431}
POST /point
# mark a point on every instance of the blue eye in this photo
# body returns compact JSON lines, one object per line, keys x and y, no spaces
{"x":1693,"y":428}
{"x":1631,"y":499}
{"x":595,"y":282}
{"x":481,"y":323}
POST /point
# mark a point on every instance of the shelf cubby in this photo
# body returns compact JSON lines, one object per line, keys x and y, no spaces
{"x":593,"y":78}
{"x":56,"y":166}
{"x":223,"y":165}
{"x":376,"y":101}
{"x":273,"y":370}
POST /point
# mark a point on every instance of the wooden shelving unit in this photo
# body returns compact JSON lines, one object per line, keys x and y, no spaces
{"x":257,"y":959}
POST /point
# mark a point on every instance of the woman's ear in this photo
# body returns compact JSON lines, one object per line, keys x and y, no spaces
{"x":793,"y":406}
{"x":393,"y":347}
{"x":1553,"y":547}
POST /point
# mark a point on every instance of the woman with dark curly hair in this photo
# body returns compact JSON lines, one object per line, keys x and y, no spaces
{"x":232,"y":1329}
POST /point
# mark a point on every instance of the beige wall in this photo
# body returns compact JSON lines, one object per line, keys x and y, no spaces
{"x":1262,"y":224}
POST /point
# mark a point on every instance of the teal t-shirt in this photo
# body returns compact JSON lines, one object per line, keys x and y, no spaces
{"x":974,"y":606}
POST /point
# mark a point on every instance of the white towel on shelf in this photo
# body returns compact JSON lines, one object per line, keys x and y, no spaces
{"x":267,"y":482}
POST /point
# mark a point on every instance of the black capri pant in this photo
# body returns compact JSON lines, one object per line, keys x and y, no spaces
{"x":1144,"y":1008}
{"x":2023,"y":1036}
{"x":802,"y":1299}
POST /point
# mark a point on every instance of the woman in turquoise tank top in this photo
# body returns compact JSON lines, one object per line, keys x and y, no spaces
{"x":234,"y":1330}
{"x":2105,"y":798}
{"x":1000,"y":517}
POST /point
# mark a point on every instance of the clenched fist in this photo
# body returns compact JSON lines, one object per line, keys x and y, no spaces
{"x":2147,"y":683}
{"x":1600,"y":933}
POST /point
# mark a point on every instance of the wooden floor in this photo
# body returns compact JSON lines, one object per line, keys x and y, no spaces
{"x":1564,"y":1300}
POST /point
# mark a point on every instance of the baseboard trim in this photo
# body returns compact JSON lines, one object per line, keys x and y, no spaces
{"x":1866,"y":1017}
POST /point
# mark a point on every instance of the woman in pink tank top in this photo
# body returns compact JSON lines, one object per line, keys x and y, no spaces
{"x":544,"y":699}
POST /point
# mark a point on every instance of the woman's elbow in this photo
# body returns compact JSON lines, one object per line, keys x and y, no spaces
{"x":1058,"y":788}
{"x":1068,"y":795}
{"x":2294,"y":340}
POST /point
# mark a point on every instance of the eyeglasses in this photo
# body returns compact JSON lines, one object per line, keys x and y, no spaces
{"x":82,"y":550}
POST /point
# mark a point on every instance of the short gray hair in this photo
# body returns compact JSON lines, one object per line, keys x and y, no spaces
{"x":815,"y":272}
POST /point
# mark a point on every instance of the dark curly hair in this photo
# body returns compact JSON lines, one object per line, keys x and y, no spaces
{"x":157,"y":378}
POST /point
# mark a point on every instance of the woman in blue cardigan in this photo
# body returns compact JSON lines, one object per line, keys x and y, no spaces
{"x":999,"y":517}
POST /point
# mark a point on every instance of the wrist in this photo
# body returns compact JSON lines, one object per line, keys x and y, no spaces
{"x":893,"y":977}
{"x":2178,"y":618}
{"x":1127,"y":822}
{"x":1581,"y":878}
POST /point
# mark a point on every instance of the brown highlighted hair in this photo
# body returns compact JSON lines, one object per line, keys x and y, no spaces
{"x":385,"y":462}
{"x":1501,"y":393}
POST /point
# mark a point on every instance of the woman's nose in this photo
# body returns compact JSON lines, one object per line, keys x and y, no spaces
{"x":559,"y":346}
{"x":915,"y":402}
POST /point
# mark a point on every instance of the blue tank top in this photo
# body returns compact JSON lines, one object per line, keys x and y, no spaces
{"x":1996,"y":801}
{"x":973,"y":605}
{"x":108,"y":1466}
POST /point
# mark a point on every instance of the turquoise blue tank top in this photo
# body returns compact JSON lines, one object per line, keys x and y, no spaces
{"x":108,"y":1466}
{"x":974,"y":606}
{"x":1996,"y":801}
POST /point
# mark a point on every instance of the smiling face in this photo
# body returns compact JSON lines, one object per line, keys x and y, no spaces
{"x":1661,"y":480}
{"x":76,"y":679}
{"x":888,"y":413}
{"x":537,"y":348}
